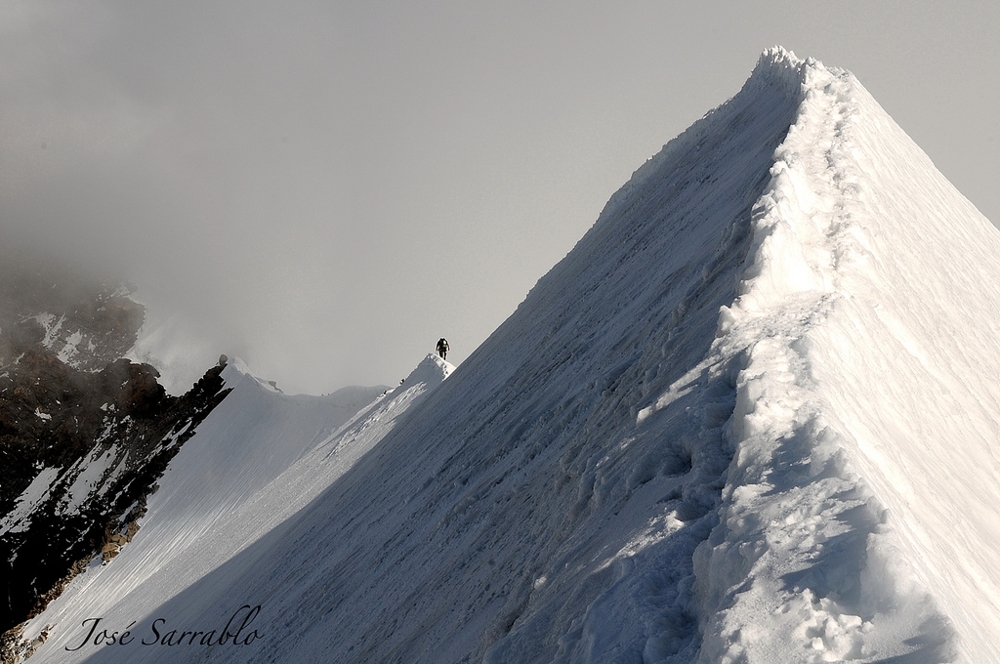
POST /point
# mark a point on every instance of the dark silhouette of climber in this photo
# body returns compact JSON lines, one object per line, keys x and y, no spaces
{"x":442,"y":348}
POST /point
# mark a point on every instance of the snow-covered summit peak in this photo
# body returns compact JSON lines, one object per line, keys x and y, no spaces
{"x":750,"y":417}
{"x":779,"y":56}
{"x":776,"y":86}
{"x":778,"y":68}
{"x":235,"y":366}
{"x":238,"y":372}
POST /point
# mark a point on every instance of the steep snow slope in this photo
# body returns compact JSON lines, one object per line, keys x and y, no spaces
{"x":751,"y":417}
{"x":522,"y":514}
{"x":255,"y":460}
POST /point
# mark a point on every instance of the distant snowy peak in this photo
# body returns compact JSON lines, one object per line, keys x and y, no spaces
{"x":237,"y":372}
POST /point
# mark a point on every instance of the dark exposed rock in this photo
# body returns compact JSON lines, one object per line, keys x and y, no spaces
{"x":86,"y":324}
{"x":69,"y":403}
{"x":120,"y":412}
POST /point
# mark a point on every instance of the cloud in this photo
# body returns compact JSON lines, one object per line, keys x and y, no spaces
{"x":327,"y":188}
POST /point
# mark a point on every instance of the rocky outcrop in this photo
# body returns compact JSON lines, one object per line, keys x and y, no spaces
{"x":85,"y":470}
{"x":85,"y":324}
{"x":84,"y":436}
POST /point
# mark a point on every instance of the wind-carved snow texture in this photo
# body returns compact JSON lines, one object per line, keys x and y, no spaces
{"x":751,"y":417}
{"x":863,"y":500}
{"x":524,"y":512}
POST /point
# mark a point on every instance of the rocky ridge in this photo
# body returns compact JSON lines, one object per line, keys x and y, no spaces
{"x":84,"y":435}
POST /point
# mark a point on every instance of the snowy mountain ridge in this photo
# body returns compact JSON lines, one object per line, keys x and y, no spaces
{"x":839,"y":294}
{"x":751,"y":417}
{"x":255,"y":461}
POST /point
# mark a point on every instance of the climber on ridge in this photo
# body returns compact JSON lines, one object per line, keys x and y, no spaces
{"x":442,"y":348}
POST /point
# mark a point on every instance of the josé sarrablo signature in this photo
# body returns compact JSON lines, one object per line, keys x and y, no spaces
{"x":237,"y":632}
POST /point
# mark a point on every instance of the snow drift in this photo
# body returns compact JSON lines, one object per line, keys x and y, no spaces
{"x":751,"y":417}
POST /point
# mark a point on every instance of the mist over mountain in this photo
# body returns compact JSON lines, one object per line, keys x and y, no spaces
{"x":751,"y":417}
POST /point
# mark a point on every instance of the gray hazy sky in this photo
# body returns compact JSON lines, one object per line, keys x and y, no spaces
{"x":328,"y":187}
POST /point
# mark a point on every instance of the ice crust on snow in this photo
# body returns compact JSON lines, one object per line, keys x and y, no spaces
{"x":751,"y":418}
